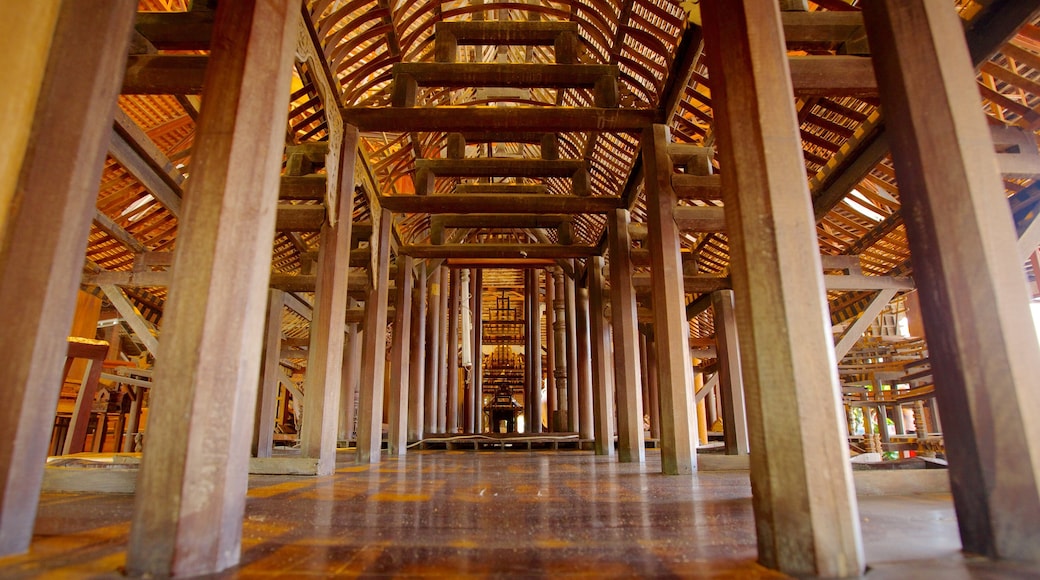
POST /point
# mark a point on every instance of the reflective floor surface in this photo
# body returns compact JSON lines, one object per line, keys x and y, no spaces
{"x":456,"y":514}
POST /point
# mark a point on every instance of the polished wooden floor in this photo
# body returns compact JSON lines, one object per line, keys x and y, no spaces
{"x":457,"y":514}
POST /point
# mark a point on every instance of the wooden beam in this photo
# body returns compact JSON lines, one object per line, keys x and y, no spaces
{"x":700,"y":219}
{"x":500,"y":167}
{"x":515,"y":75}
{"x":491,"y":203}
{"x":833,"y":76}
{"x":300,"y":218}
{"x":697,"y":187}
{"x":805,"y":510}
{"x":501,"y":188}
{"x":373,"y":354}
{"x":627,"y":370}
{"x":498,"y":251}
{"x":731,"y":381}
{"x":849,"y":283}
{"x":133,"y":157}
{"x":133,"y":317}
{"x":325,"y":354}
{"x":266,"y":404}
{"x":674,"y":371}
{"x":859,"y":326}
{"x":822,"y":28}
{"x":192,"y":483}
{"x":463,"y":119}
{"x":510,"y":221}
{"x":963,"y":242}
{"x":692,"y":283}
{"x":176,"y":30}
{"x":303,"y":187}
{"x":49,"y":177}
{"x":164,"y":74}
{"x":110,"y":227}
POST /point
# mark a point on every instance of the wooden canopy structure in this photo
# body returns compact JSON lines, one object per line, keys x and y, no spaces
{"x":739,"y":192}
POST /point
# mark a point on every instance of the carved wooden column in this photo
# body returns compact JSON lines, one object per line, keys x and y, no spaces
{"x":267,"y":400}
{"x":805,"y":510}
{"x":602,"y":378}
{"x":325,"y":353}
{"x":417,"y":366}
{"x":53,"y":170}
{"x":192,"y":485}
{"x":373,"y":354}
{"x":627,"y":370}
{"x":397,"y":431}
{"x":452,"y":407}
{"x":731,"y":382}
{"x":980,"y":333}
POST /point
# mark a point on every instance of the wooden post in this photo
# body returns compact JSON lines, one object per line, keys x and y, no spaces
{"x":397,"y":433}
{"x":267,"y":399}
{"x":586,"y":427}
{"x":433,"y":322}
{"x":452,"y":381}
{"x":671,"y":331}
{"x":571,"y":327}
{"x":550,"y":352}
{"x":43,"y":234}
{"x":477,"y":293}
{"x":602,"y":379}
{"x":325,"y":354}
{"x":627,"y":370}
{"x":980,"y":333}
{"x":442,"y":348}
{"x":655,"y":393}
{"x":76,"y":437}
{"x":417,"y":350}
{"x":560,"y":344}
{"x":731,"y":383}
{"x":528,"y":376}
{"x":192,"y":485}
{"x":535,"y":356}
{"x":805,"y":506}
{"x":373,"y":354}
{"x":349,"y":385}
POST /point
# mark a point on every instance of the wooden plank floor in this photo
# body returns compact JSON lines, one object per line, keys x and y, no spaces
{"x":524,"y":514}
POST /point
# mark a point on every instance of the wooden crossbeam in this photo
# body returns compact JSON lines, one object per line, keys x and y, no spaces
{"x":499,"y":220}
{"x":500,"y":167}
{"x":832,"y":76}
{"x":700,"y":219}
{"x":302,"y":187}
{"x":855,"y":282}
{"x":513,"y":75}
{"x":803,"y":29}
{"x":697,"y":187}
{"x":299,"y":218}
{"x":491,"y":203}
{"x":164,"y":74}
{"x":176,"y":30}
{"x":499,"y":251}
{"x":500,"y":188}
{"x":462,"y":119}
{"x":510,"y":33}
{"x":692,"y":283}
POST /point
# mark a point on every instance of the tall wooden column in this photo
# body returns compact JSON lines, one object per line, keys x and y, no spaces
{"x":442,"y":348}
{"x":349,"y":383}
{"x":651,"y":385}
{"x":397,"y":432}
{"x":805,"y":510}
{"x":627,"y":371}
{"x":267,"y":398}
{"x":417,"y":350}
{"x":550,"y":352}
{"x":535,"y":356}
{"x":731,"y":382}
{"x":571,"y":328}
{"x":586,"y":425}
{"x":44,"y":221}
{"x":560,"y":344}
{"x":452,"y":381}
{"x":433,"y":333}
{"x":477,"y":293}
{"x":528,"y":375}
{"x":192,"y":486}
{"x":671,"y":331}
{"x":974,"y":297}
{"x":373,"y":353}
{"x":325,"y":352}
{"x":602,"y":378}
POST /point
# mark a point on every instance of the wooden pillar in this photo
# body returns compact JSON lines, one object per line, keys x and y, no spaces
{"x":602,"y":379}
{"x":980,"y":333}
{"x":535,"y":357}
{"x":445,"y":356}
{"x":43,"y":234}
{"x":805,"y":509}
{"x":478,"y":351}
{"x":325,"y":352}
{"x":627,"y":371}
{"x":562,"y":423}
{"x":466,"y":349}
{"x":452,"y":381}
{"x":26,"y":41}
{"x":433,"y":321}
{"x":373,"y":353}
{"x":417,"y":366}
{"x":731,"y":383}
{"x":397,"y":432}
{"x":584,"y":365}
{"x":651,"y":385}
{"x":671,"y":331}
{"x":192,"y":486}
{"x":267,"y":399}
{"x":550,"y":352}
{"x":528,"y":358}
{"x":351,"y":378}
{"x":76,"y":438}
{"x":571,"y":327}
